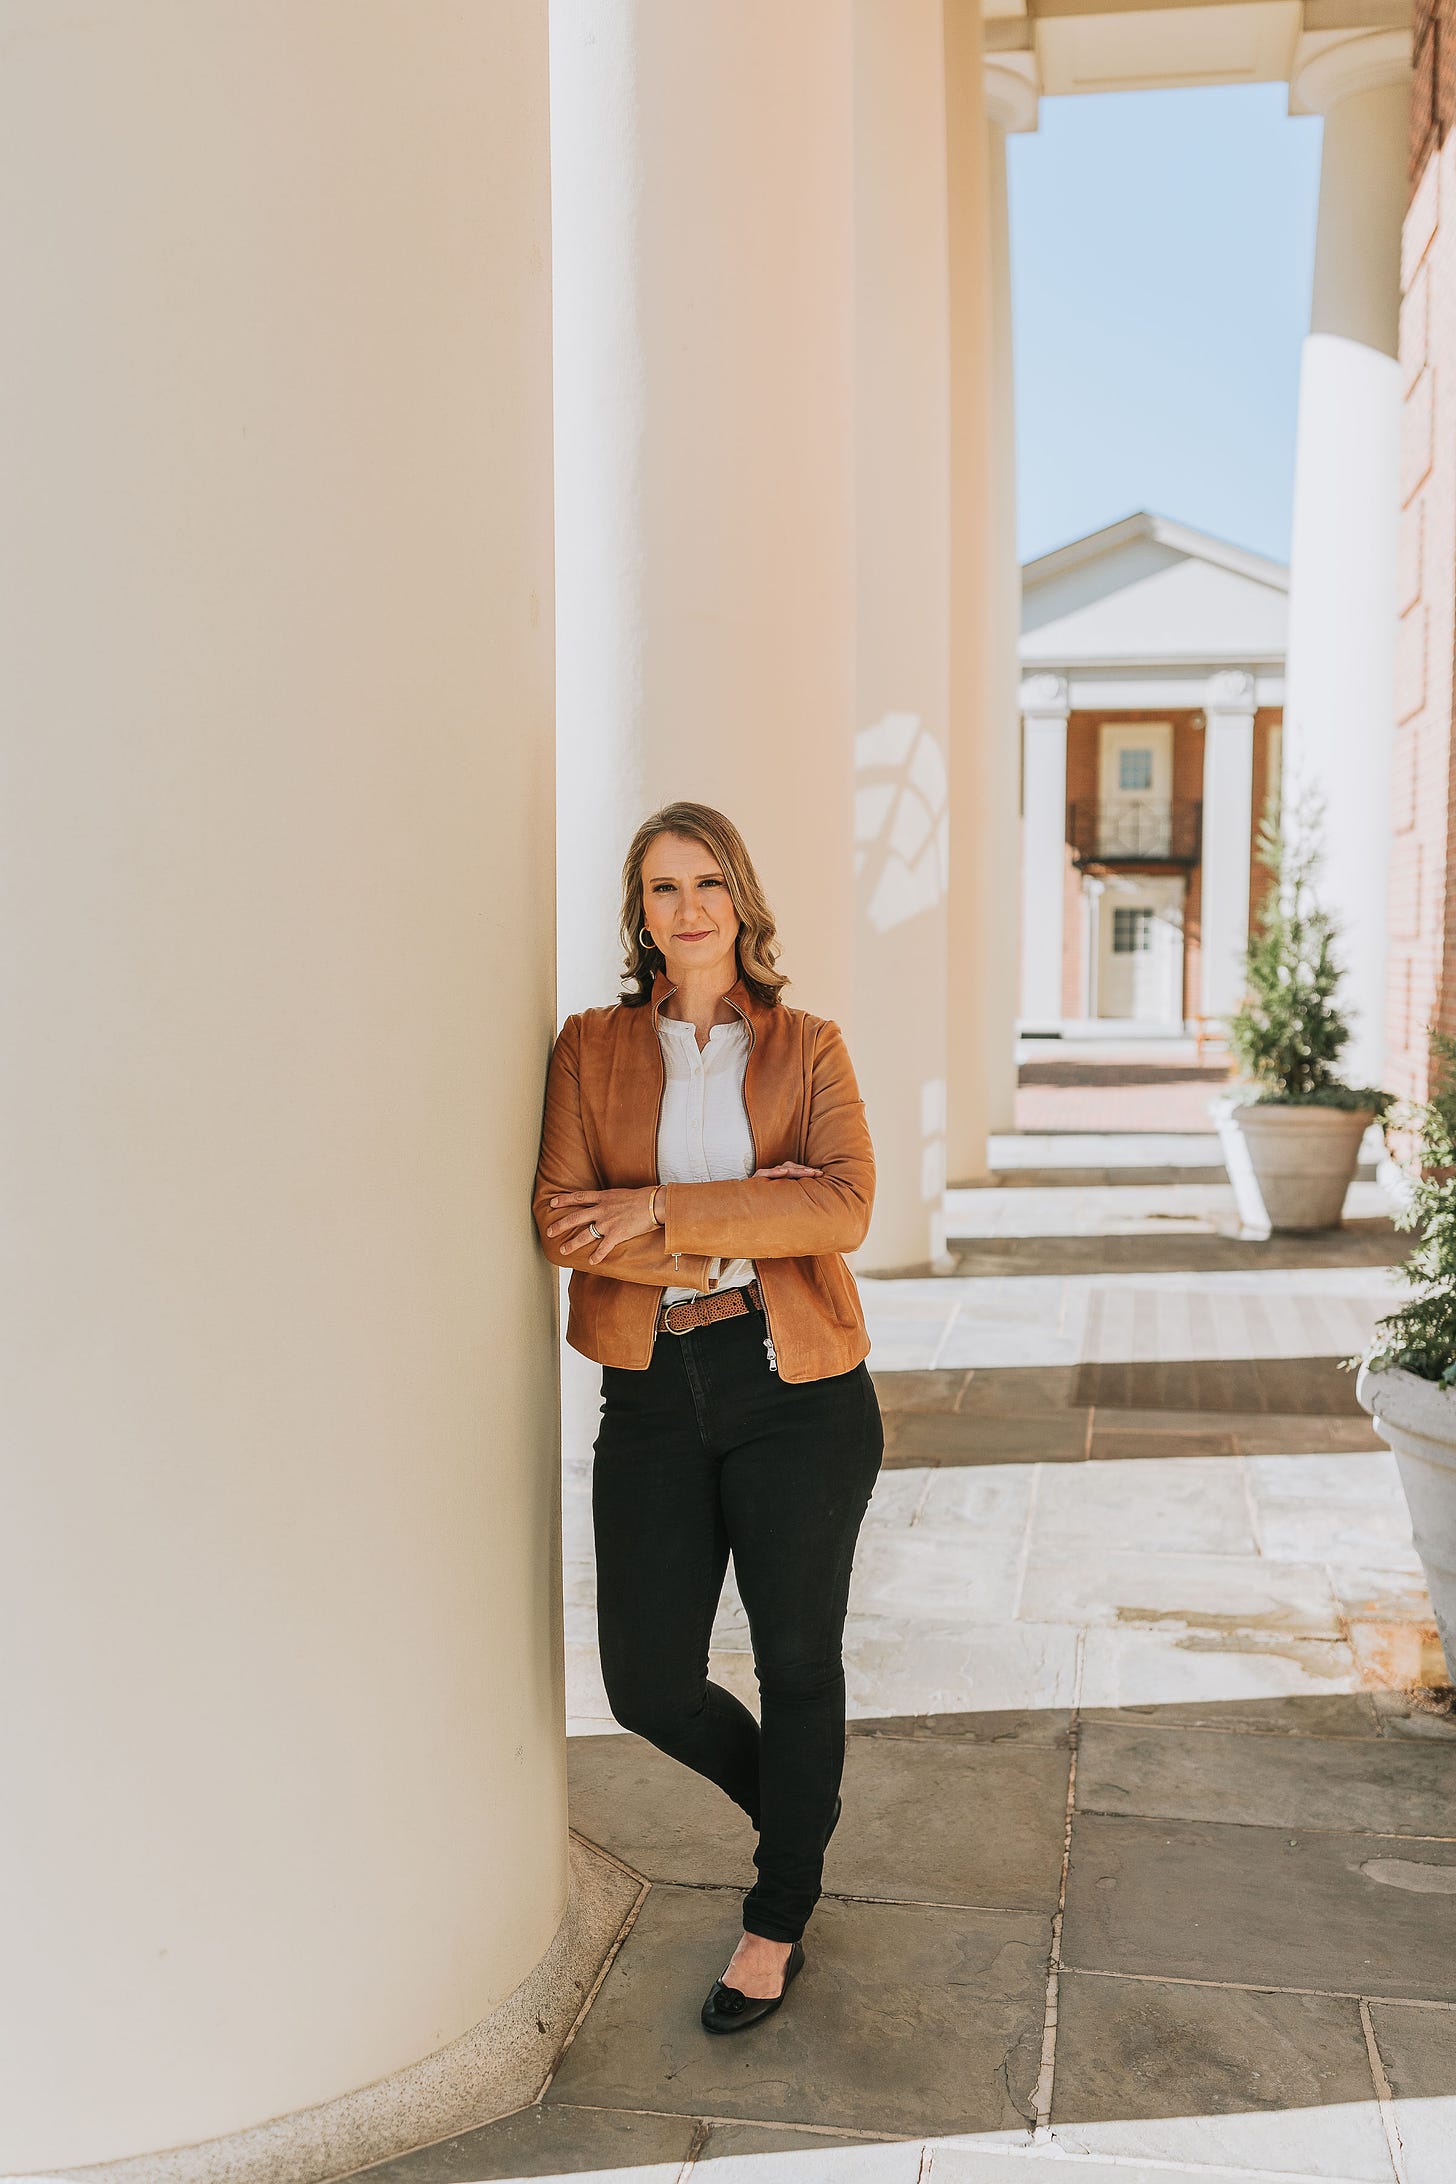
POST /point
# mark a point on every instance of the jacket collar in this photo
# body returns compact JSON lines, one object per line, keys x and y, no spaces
{"x":738,"y":996}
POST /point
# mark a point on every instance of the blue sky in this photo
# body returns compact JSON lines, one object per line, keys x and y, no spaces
{"x":1162,"y":244}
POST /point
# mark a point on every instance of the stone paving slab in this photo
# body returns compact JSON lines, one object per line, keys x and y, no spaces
{"x":1418,"y":2052}
{"x":743,"y":2153}
{"x":549,"y":2142}
{"x":1375,"y":1785}
{"x":1111,"y":1152}
{"x":1390,"y":1656}
{"x":903,"y":2020}
{"x":1181,"y":1593}
{"x":1314,"y":1387}
{"x":938,"y":1667}
{"x":1274,"y":1907}
{"x":954,"y":1821}
{"x":952,"y":2164}
{"x":1240,"y":1325}
{"x":1371,"y":1244}
{"x":1216,"y":1664}
{"x":1184,"y":1505}
{"x":1400,"y":1714}
{"x":968,"y":1822}
{"x":937,"y":1571}
{"x":1362,"y":1538}
{"x":1346,"y":1714}
{"x":1018,"y":1391}
{"x":1142,"y":1434}
{"x":1008,"y":1726}
{"x":1173,"y":2072}
{"x":661,"y":1819}
{"x":994,"y":1502}
{"x":1372,"y":1477}
{"x":931,"y":1391}
{"x":966,"y":1437}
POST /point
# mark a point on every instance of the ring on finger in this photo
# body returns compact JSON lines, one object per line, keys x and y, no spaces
{"x":595,"y":1230}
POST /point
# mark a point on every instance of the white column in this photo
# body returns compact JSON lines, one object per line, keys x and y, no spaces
{"x":284,"y":1801}
{"x":703,"y":203}
{"x":1228,"y":797}
{"x":902,"y":816}
{"x":1044,"y":709}
{"x":985,"y":879}
{"x":969,"y":957}
{"x":1011,"y":109}
{"x":1342,"y":603}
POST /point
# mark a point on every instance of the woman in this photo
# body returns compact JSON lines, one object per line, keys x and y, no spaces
{"x":704,"y":1163}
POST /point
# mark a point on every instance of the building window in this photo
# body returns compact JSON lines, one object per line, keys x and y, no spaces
{"x":1132,"y":931}
{"x":1134,"y":769}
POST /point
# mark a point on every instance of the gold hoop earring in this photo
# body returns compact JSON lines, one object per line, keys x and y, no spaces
{"x":646,"y":938}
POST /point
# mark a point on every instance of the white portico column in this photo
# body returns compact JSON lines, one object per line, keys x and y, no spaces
{"x":1342,"y":601}
{"x":902,"y":816}
{"x":703,"y":222}
{"x":1011,"y":109}
{"x":1044,"y":708}
{"x":1228,"y":794}
{"x":970,"y":965}
{"x":283,"y":1809}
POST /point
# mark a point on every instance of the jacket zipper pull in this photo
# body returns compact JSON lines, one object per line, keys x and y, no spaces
{"x":773,"y":1356}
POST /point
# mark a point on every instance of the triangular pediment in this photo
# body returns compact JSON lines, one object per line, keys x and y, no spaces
{"x":1150,"y":591}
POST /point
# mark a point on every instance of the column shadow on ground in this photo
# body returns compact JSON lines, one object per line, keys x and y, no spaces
{"x":1207,"y":1250}
{"x":1074,"y":1413}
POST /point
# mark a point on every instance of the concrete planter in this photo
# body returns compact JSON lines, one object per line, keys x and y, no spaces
{"x":1290,"y":1166}
{"x":1417,"y":1419}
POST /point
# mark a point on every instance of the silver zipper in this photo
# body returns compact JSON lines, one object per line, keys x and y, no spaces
{"x":656,"y":1124}
{"x":768,"y":1340}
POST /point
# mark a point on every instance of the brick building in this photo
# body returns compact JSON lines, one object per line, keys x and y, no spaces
{"x":1152,"y":695}
{"x":1421,"y":990}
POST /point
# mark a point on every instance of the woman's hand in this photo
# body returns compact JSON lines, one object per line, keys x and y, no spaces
{"x":617,"y":1216}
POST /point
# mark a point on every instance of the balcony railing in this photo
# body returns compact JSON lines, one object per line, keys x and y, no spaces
{"x":1136,"y":830}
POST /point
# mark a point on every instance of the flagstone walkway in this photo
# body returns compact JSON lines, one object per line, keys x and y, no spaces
{"x":1147,"y":1867}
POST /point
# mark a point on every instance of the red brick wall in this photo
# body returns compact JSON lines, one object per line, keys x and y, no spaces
{"x":1084,"y":737}
{"x":1188,"y":789}
{"x":1422,"y":960}
{"x":1266,"y":720}
{"x":1082,"y":755}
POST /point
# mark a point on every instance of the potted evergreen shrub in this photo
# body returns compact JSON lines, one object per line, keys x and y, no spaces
{"x":1291,"y":1130}
{"x":1408,"y":1375}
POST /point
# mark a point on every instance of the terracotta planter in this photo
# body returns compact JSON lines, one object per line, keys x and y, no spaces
{"x":1417,"y":1419}
{"x":1290,"y":1166}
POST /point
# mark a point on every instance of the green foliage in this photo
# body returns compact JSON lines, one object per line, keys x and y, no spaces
{"x":1288,"y":1034}
{"x":1421,"y":1336}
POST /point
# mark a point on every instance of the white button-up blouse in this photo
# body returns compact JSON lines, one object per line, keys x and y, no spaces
{"x":702,"y":1132}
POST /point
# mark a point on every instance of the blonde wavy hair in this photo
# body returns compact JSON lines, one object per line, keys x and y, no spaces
{"x":757,"y":946}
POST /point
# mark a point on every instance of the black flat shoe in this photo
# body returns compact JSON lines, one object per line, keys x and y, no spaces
{"x":726,"y":2010}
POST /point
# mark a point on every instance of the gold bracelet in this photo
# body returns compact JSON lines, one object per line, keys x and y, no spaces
{"x":652,"y":1206}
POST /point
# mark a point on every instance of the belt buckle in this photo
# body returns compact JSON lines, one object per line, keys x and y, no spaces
{"x":683,"y":1303}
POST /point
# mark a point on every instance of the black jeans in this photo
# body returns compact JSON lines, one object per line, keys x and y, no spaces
{"x":709,"y":1450}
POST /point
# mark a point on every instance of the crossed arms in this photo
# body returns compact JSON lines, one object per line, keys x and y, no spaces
{"x":759,"y":1217}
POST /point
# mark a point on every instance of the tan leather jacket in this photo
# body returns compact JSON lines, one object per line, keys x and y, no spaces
{"x":603,"y":1099}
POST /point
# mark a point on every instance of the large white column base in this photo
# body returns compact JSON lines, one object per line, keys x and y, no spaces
{"x":500,"y":2065}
